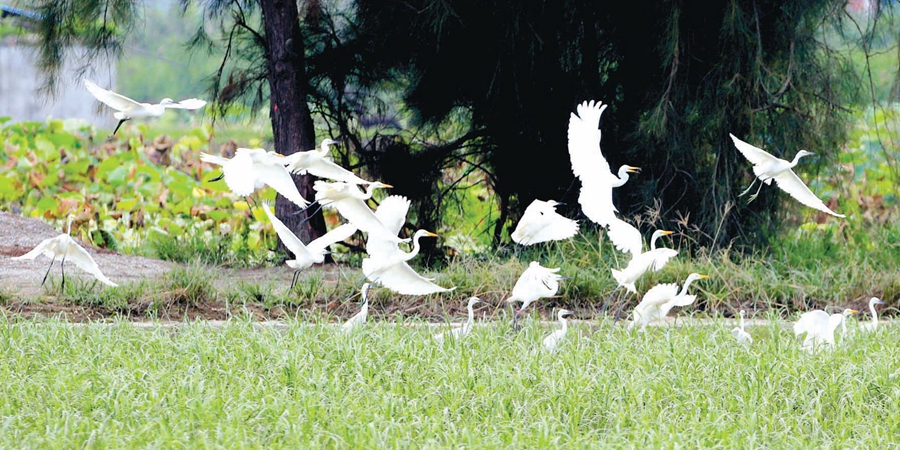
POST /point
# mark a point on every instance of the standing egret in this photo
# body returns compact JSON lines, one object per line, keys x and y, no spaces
{"x":590,"y":166}
{"x":640,"y":262}
{"x":67,"y":248}
{"x":541,"y":223}
{"x":351,"y":204}
{"x":466,"y":328}
{"x":819,"y":327}
{"x":254,"y":168}
{"x":386,"y":263}
{"x":318,"y":163}
{"x":740,"y":334}
{"x":535,"y":283}
{"x":551,"y":341}
{"x":312,"y":253}
{"x":768,"y":168}
{"x":360,"y":317}
{"x":660,"y":299}
{"x":873,"y":325}
{"x":127,"y":108}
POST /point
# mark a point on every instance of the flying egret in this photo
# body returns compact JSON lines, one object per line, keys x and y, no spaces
{"x":740,"y":334}
{"x":535,"y":283}
{"x":319,"y":163}
{"x":551,"y":341}
{"x":351,"y":204}
{"x":312,"y":253}
{"x":67,"y":248}
{"x":254,"y":168}
{"x":360,"y":317}
{"x":660,"y":299}
{"x":386,"y":263}
{"x":590,"y":166}
{"x":129,"y":109}
{"x":819,"y":327}
{"x":466,"y":328}
{"x":640,"y":263}
{"x":768,"y":168}
{"x":873,"y":325}
{"x":541,"y":223}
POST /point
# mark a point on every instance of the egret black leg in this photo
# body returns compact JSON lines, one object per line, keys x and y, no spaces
{"x":117,"y":126}
{"x":216,"y":178}
{"x":62,"y":268}
{"x":294,"y":280}
{"x":306,"y":210}
{"x":48,"y":271}
{"x":516,"y":313}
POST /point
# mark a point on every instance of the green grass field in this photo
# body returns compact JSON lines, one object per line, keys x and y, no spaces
{"x":307,"y":385}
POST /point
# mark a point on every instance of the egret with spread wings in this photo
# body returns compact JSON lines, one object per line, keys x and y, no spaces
{"x":541,"y":223}
{"x":318,"y":162}
{"x":660,"y":299}
{"x":127,"y":108}
{"x":627,"y":238}
{"x":254,"y":168}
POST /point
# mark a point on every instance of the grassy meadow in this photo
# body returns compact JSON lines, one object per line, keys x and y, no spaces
{"x":308,"y":385}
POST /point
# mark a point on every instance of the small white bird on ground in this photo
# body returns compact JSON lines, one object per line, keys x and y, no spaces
{"x":68,"y":249}
{"x":590,"y":166}
{"x":350,"y":202}
{"x":312,"y":253}
{"x":535,"y":283}
{"x":127,"y":108}
{"x":819,"y":327}
{"x":768,"y":168}
{"x":254,"y":168}
{"x":360,"y":317}
{"x":742,"y":336}
{"x":873,"y":324}
{"x":541,"y":223}
{"x":660,"y":299}
{"x":386,"y":263}
{"x":551,"y":341}
{"x":319,"y":163}
{"x":640,"y":263}
{"x":466,"y":328}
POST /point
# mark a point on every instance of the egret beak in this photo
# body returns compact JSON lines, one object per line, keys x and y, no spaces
{"x":387,"y":186}
{"x":430,"y":234}
{"x":666,"y":232}
{"x":558,"y":203}
{"x":703,"y":276}
{"x":880,"y":302}
{"x":853,"y":311}
{"x":633,"y":169}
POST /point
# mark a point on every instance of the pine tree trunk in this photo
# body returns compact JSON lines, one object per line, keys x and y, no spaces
{"x":292,"y":125}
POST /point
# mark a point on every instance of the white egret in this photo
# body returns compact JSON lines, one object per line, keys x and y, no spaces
{"x":254,"y":168}
{"x":319,"y":163}
{"x":351,"y":204}
{"x":873,"y":325}
{"x":819,"y":327}
{"x":742,"y":336}
{"x":360,"y":317}
{"x":68,"y":249}
{"x":660,"y":299}
{"x":590,"y":166}
{"x":768,"y":168}
{"x":541,"y":223}
{"x":535,"y":283}
{"x":309,"y":254}
{"x":386,"y":263}
{"x":551,"y":341}
{"x":466,"y":328}
{"x":640,"y":263}
{"x":127,"y":108}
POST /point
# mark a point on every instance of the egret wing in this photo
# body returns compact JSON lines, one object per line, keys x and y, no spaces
{"x":392,"y":213}
{"x":789,"y":182}
{"x":290,"y":240}
{"x":191,"y":103}
{"x":276,"y":176}
{"x":324,"y":168}
{"x":81,"y":258}
{"x":551,"y":341}
{"x":659,"y":294}
{"x":402,"y":279}
{"x":338,"y":234}
{"x":109,"y":98}
{"x":811,"y":322}
{"x":239,"y":174}
{"x":660,"y":257}
{"x":541,"y":223}
{"x":755,"y":155}
{"x":588,"y":163}
{"x":625,"y":237}
{"x":47,"y":247}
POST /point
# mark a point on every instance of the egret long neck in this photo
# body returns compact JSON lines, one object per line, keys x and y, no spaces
{"x":797,"y":158}
{"x":324,"y":149}
{"x":622,"y":179}
{"x":874,"y":314}
{"x":742,"y":322}
{"x":564,"y":325}
{"x":653,"y":241}
{"x":687,"y":284}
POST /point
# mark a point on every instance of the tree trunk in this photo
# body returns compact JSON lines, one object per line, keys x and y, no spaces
{"x":292,"y":125}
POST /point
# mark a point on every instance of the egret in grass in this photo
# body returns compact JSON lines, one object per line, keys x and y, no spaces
{"x":350,"y":202}
{"x":742,"y":336}
{"x":254,"y":168}
{"x":660,"y":299}
{"x":466,"y":328}
{"x":318,"y":162}
{"x":386,"y":263}
{"x":309,"y":254}
{"x":819,"y":327}
{"x":628,"y":238}
{"x":359,"y":318}
{"x":768,"y":168}
{"x":63,"y":246}
{"x":127,"y":108}
{"x":873,"y":324}
{"x":535,"y":283}
{"x":541,"y":223}
{"x":590,"y":166}
{"x":551,"y":341}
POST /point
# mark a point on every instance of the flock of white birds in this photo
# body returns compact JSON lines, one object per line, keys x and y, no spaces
{"x":386,"y":261}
